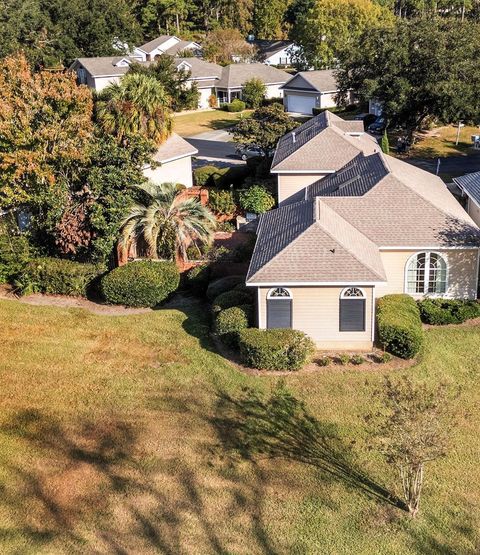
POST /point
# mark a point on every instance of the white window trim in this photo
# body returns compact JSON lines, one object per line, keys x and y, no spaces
{"x":427,"y":274}
{"x":342,"y":294}
{"x":289,"y":298}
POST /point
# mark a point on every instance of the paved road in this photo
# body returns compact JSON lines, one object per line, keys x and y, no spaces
{"x":453,"y":165}
{"x":216,"y":150}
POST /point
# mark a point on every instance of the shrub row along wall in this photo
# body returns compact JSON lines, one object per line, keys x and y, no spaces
{"x":440,"y":312}
{"x":399,"y":325}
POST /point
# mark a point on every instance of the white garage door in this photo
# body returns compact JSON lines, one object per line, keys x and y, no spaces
{"x":301,"y":104}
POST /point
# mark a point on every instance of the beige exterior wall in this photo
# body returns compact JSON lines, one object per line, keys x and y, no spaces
{"x":177,"y":171}
{"x":291,"y":186}
{"x":274,"y":91}
{"x":461,"y":278}
{"x":316,"y":311}
{"x":473,"y":211}
{"x":99,"y":83}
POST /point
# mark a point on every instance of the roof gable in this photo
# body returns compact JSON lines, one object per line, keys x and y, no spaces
{"x":236,"y":75}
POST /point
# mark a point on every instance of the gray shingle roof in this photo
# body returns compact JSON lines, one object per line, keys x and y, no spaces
{"x":234,"y":76}
{"x":355,"y":179}
{"x":470,"y":183}
{"x":173,"y":148}
{"x":104,"y":66}
{"x":267,"y":48}
{"x":156,"y":42}
{"x":322,"y":80}
{"x":324,"y":142}
{"x":200,"y":68}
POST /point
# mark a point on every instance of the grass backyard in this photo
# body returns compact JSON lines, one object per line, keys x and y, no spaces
{"x":440,"y":142}
{"x":193,"y":123}
{"x":126,"y":434}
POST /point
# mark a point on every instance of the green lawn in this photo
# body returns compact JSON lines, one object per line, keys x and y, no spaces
{"x":187,"y":125}
{"x":440,"y":142}
{"x":129,"y":434}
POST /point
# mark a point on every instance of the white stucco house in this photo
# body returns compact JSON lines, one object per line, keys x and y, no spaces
{"x":173,"y":162}
{"x":275,"y":52}
{"x":311,"y":89}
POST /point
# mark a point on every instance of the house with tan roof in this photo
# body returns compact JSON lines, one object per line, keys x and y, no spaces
{"x":310,"y":90}
{"x":359,"y":225}
{"x":165,"y":44}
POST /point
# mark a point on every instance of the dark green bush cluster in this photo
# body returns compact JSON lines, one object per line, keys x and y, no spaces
{"x":15,"y":253}
{"x":142,"y":283}
{"x":201,"y":176}
{"x":57,"y":276}
{"x":275,"y":349}
{"x":399,"y":325}
{"x":221,"y":285}
{"x":198,"y":278}
{"x":234,"y":297}
{"x":236,"y":105}
{"x":439,"y":312}
{"x":222,"y":202}
{"x":230,"y":321}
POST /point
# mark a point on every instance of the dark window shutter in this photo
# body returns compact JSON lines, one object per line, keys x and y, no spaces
{"x":279,"y":313}
{"x":352,"y":314}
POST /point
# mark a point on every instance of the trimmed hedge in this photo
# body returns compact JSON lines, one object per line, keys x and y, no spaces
{"x":58,"y":276}
{"x":275,"y":349}
{"x":235,"y":297}
{"x":201,"y":176}
{"x":198,"y":278}
{"x":440,"y":312}
{"x":222,"y":285}
{"x":236,"y":105}
{"x":399,"y":325}
{"x":142,"y":283}
{"x":229,"y":322}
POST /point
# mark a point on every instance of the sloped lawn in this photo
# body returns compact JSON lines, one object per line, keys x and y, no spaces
{"x":129,"y":434}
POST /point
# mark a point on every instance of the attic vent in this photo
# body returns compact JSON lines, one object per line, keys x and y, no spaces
{"x":348,"y":182}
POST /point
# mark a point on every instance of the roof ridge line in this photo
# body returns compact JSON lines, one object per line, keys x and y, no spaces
{"x":342,"y":243}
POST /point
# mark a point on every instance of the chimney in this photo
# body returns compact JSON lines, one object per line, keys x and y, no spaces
{"x":293,"y":136}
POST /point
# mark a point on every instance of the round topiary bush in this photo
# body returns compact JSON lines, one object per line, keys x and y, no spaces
{"x":142,"y":283}
{"x":275,"y":349}
{"x":232,"y":320}
{"x":235,"y":297}
{"x":223,"y":284}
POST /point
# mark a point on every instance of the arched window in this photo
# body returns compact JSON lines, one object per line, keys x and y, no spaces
{"x":279,"y":308}
{"x":426,"y":273}
{"x":352,"y":309}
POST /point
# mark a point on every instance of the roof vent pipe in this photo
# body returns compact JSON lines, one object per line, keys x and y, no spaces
{"x":293,"y":136}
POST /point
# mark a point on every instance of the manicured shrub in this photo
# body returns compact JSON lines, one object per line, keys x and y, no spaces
{"x":275,"y":349}
{"x":15,"y":252}
{"x":439,"y":312}
{"x":197,"y":279}
{"x":201,"y":176}
{"x":344,"y":359}
{"x":257,"y":200}
{"x":357,"y":360}
{"x":235,"y":297}
{"x":229,"y":322}
{"x":57,"y":276}
{"x":221,"y":202}
{"x":399,"y":325}
{"x":223,"y":284}
{"x":142,"y":283}
{"x":236,"y":106}
{"x":324,"y":361}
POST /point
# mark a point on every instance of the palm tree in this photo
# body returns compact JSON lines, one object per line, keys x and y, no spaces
{"x":166,"y":218}
{"x":138,"y":104}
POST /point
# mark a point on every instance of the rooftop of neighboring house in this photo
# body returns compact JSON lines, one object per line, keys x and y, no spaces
{"x":234,"y":76}
{"x":322,"y":80}
{"x":470,"y":184}
{"x":324,"y":143}
{"x":200,"y":69}
{"x":105,"y":66}
{"x":268,"y":48}
{"x":336,"y":233}
{"x":173,"y":148}
{"x":150,"y":46}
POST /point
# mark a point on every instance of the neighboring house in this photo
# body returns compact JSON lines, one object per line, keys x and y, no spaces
{"x":371,"y":226}
{"x":469,"y":184}
{"x":275,"y":52}
{"x":100,"y":72}
{"x":312,"y":89}
{"x":165,"y":44}
{"x":234,"y":77}
{"x":319,"y":147}
{"x":204,"y":74}
{"x":174,"y":159}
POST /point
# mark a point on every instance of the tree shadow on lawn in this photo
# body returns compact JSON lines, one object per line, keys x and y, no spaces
{"x":87,"y":487}
{"x":282,"y":427}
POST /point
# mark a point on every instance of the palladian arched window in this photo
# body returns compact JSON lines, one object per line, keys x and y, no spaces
{"x":352,"y":309}
{"x":279,"y":308}
{"x":426,"y":273}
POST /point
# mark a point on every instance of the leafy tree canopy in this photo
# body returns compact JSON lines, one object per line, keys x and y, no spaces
{"x":264,"y":128}
{"x":417,"y":69}
{"x":221,"y":45}
{"x":254,"y":92}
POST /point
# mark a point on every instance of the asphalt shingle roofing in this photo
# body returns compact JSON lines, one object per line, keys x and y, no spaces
{"x":234,"y":76}
{"x":470,"y":183}
{"x":322,"y":80}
